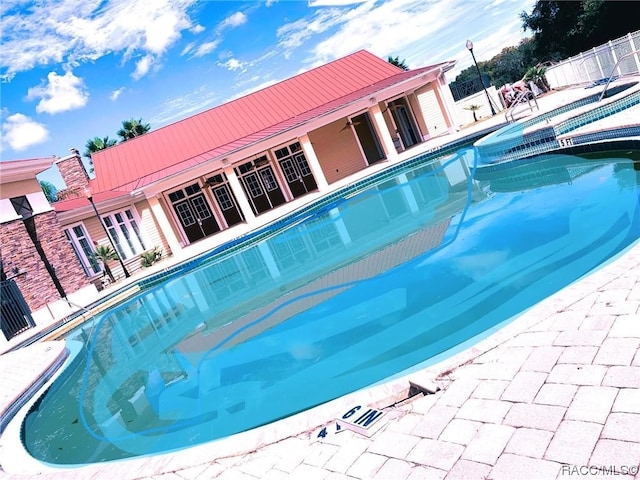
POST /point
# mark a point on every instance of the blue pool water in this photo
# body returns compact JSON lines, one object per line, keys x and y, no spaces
{"x":375,"y":284}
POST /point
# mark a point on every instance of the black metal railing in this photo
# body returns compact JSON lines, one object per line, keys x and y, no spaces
{"x":461,"y":90}
{"x":15,"y":314}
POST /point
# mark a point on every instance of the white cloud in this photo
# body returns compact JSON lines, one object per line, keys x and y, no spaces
{"x":188,"y":48}
{"x":232,"y":21}
{"x":179,"y":107}
{"x":418,"y":31}
{"x":21,"y":132}
{"x":60,"y":94}
{"x":333,"y":3}
{"x":294,"y":34}
{"x":254,"y":88}
{"x":142,"y":67}
{"x":116,"y":94}
{"x":206,"y":48}
{"x":233,"y":64}
{"x":399,"y":24}
{"x":57,"y":31}
{"x":197,"y":29}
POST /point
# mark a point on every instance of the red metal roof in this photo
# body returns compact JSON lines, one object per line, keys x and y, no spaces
{"x":79,"y":202}
{"x":241,"y":122}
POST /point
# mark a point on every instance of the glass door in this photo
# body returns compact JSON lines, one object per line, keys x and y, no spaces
{"x":194,"y":212}
{"x":296,"y":169}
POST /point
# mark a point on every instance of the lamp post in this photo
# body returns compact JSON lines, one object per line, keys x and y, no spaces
{"x":470,"y":48}
{"x":89,"y":195}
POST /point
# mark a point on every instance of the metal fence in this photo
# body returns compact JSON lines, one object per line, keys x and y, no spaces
{"x":15,"y":314}
{"x":596,"y":64}
{"x":464,"y":89}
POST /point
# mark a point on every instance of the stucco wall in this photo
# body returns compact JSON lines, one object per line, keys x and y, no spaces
{"x":337,"y":151}
{"x":151,"y":229}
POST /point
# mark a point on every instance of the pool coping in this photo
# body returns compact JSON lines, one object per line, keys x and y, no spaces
{"x":162,"y":463}
{"x":15,"y":459}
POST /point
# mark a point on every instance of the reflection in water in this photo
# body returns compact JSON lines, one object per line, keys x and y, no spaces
{"x":371,"y":286}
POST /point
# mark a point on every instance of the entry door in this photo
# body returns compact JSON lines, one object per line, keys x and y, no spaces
{"x":227,"y":205}
{"x":225,"y":199}
{"x":404,"y":123}
{"x":194,"y":213}
{"x":262,"y":189}
{"x":368,"y":138}
{"x":298,"y":175}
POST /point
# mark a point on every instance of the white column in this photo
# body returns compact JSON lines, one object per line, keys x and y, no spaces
{"x":314,"y":163}
{"x":387,"y":141}
{"x":334,"y":213}
{"x":241,"y":197}
{"x":267,"y":256}
{"x":407,"y":193}
{"x":164,"y":224}
{"x":444,"y":92}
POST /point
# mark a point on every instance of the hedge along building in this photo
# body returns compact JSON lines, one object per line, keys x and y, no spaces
{"x":237,"y":164}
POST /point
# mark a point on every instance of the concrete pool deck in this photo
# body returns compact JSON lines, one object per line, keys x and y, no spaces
{"x":553,"y":391}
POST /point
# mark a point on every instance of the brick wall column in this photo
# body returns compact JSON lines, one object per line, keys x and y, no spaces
{"x":17,"y":251}
{"x":73,"y":173}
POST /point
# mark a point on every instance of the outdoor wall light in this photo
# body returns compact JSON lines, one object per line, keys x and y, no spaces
{"x":89,"y":195}
{"x":470,"y":48}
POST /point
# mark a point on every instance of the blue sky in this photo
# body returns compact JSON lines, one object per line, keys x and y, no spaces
{"x":74,"y":69}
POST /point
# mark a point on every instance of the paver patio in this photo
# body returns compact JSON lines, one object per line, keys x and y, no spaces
{"x":554,"y":394}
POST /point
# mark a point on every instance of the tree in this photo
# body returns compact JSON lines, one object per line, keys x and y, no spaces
{"x":50,"y":191}
{"x":562,"y":29}
{"x":132,"y":128}
{"x":96,"y":144}
{"x":537,"y":75}
{"x":473,"y":109}
{"x":508,"y":66}
{"x":106,"y":254}
{"x":397,"y":62}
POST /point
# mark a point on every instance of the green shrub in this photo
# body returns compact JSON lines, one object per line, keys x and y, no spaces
{"x":150,"y":257}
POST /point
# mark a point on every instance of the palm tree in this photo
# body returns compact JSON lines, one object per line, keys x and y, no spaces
{"x":537,"y":75}
{"x":96,"y":144}
{"x":105,"y":253}
{"x":50,"y":191}
{"x":132,"y":128}
{"x":397,"y":62}
{"x":473,"y":109}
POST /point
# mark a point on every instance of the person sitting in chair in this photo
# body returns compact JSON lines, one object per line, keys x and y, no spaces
{"x":508,"y":93}
{"x":521,"y":87}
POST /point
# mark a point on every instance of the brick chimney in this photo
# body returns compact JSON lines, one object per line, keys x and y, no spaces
{"x":73,"y":173}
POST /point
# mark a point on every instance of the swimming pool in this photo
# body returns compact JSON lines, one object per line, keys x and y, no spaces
{"x":339,"y":299}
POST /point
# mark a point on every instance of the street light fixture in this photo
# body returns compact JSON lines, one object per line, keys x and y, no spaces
{"x":89,"y":195}
{"x":470,"y":48}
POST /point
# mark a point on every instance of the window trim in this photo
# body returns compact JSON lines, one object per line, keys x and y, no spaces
{"x":80,"y":252}
{"x":129,"y":244}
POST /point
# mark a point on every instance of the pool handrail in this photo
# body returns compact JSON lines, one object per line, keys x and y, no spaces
{"x":519,"y":100}
{"x":613,"y":70}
